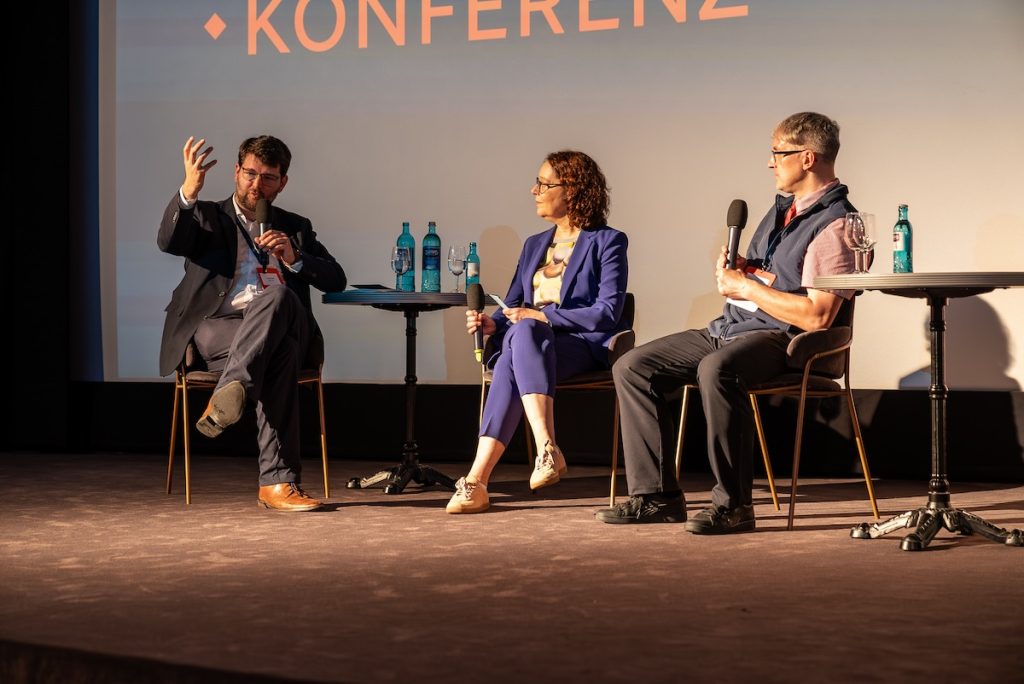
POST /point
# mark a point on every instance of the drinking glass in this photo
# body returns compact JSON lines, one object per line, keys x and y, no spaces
{"x":456,"y":262}
{"x":401,"y":260}
{"x":867,"y":238}
{"x":859,"y":235}
{"x":850,"y":229}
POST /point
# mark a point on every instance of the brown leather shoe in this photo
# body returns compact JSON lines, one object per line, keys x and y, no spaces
{"x":287,"y":496}
{"x":224,"y":409}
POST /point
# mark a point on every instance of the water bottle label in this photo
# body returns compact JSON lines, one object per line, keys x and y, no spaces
{"x":899,"y":242}
{"x":472,"y":270}
{"x":432,"y":258}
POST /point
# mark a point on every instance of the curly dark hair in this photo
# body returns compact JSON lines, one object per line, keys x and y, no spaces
{"x":586,"y":190}
{"x":267,"y":149}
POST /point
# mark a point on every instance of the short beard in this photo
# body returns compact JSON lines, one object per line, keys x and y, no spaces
{"x":243,"y":201}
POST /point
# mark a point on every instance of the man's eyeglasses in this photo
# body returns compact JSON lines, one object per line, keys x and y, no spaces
{"x":543,"y":187}
{"x":269,"y":178}
{"x":783,"y":153}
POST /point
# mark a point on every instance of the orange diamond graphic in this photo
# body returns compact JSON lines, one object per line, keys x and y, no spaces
{"x":214,"y":26}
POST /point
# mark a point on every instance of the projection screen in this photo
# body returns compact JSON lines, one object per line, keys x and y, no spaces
{"x":443,"y":110}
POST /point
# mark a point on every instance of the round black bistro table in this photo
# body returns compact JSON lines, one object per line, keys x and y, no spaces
{"x":395,"y":479}
{"x":937,"y":289}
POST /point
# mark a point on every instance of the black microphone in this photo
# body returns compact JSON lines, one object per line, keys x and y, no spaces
{"x":263,"y":214}
{"x":475,"y":301}
{"x":736,"y":220}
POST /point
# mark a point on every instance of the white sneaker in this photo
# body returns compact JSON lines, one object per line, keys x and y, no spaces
{"x":549,"y":467}
{"x":469,"y":497}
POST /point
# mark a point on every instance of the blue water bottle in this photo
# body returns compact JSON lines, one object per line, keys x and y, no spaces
{"x":406,"y":282}
{"x":431,"y":281}
{"x":472,"y":265}
{"x":902,"y":244}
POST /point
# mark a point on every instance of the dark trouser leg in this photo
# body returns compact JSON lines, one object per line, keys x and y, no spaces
{"x":265,"y":354}
{"x":644,"y":377}
{"x":213,"y":340}
{"x":270,"y":319}
{"x":724,"y":377}
{"x":277,"y":415}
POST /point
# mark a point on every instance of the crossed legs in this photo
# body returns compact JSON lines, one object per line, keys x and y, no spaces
{"x":259,"y":355}
{"x":532,"y":360}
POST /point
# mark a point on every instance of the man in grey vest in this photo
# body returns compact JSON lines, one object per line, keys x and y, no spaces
{"x":768,"y":301}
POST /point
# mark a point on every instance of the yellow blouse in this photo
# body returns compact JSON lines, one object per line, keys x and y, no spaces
{"x":547,"y":281}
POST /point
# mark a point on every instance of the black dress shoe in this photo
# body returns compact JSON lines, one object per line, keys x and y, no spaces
{"x":645,"y":508}
{"x":224,"y":409}
{"x":722,"y":520}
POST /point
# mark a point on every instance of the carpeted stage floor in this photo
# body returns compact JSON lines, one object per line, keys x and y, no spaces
{"x":104,"y":578}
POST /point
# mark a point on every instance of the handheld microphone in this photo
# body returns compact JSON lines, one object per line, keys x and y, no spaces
{"x":475,"y":301}
{"x":263,"y":214}
{"x":736,"y":220}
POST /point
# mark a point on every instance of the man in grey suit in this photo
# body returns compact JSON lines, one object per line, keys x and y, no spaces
{"x":244,"y":303}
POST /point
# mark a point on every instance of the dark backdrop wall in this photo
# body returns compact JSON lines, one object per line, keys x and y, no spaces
{"x":40,"y":173}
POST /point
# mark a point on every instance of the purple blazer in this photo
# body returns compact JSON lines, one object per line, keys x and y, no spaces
{"x":593,"y":287}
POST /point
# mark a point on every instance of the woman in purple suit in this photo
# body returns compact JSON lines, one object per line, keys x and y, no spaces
{"x":564,"y":304}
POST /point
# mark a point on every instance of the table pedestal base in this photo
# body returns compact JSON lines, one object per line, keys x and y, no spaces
{"x":928,"y":520}
{"x":937,"y":288}
{"x":395,"y":479}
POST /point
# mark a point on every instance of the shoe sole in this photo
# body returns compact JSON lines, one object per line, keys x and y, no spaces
{"x":291,"y":509}
{"x":225,"y":409}
{"x":697,"y":528}
{"x":616,"y":520}
{"x":461,"y":511}
{"x":534,"y":486}
{"x":547,"y":483}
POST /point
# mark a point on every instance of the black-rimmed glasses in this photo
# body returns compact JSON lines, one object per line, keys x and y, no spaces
{"x":543,"y":187}
{"x":269,"y":178}
{"x":784,"y":153}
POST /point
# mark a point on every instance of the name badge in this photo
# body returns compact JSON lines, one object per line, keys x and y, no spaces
{"x":764,"y":276}
{"x":269,"y":276}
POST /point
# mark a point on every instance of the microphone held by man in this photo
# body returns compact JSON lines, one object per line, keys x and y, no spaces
{"x":262,"y":215}
{"x":736,"y":219}
{"x":275,"y":243}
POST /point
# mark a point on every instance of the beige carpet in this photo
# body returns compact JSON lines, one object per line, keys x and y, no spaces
{"x":110,"y":578}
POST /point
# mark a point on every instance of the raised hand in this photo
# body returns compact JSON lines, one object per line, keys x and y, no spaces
{"x":196,"y":167}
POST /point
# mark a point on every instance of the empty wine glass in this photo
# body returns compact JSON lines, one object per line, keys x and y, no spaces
{"x":456,"y":262}
{"x":401,"y":262}
{"x":867,"y":238}
{"x":850,"y":229}
{"x":859,"y":235}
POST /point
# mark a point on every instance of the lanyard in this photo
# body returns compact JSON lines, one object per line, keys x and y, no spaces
{"x":774,"y":238}
{"x":260,"y":255}
{"x":773,"y":242}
